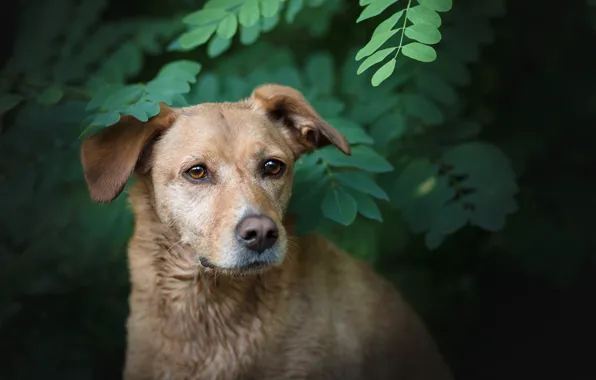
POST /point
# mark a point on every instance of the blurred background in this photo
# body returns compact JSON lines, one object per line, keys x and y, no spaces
{"x":473,"y":187}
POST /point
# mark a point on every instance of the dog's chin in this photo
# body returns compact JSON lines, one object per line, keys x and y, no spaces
{"x":246,"y":264}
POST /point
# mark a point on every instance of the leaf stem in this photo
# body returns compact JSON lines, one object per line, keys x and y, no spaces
{"x":403,"y":32}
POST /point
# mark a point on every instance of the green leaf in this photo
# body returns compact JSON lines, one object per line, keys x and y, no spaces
{"x":196,"y":37}
{"x":163,"y":87}
{"x":383,"y":72}
{"x":248,"y":35}
{"x":294,"y":6}
{"x":450,"y":218}
{"x":362,"y":157}
{"x":319,"y":70}
{"x":183,"y":69}
{"x":9,"y":101}
{"x":123,"y":95}
{"x":142,"y":110}
{"x":375,"y":8}
{"x":361,"y":182}
{"x":227,"y":27}
{"x":424,"y":33}
{"x":437,"y":5}
{"x":203,"y":17}
{"x":424,"y":15}
{"x":422,"y":108}
{"x":353,"y":132}
{"x":105,"y":119}
{"x":217,"y":46}
{"x":375,"y":42}
{"x":388,"y":24}
{"x":249,"y":13}
{"x":269,"y":8}
{"x":374,"y":59}
{"x":432,"y":85}
{"x":367,"y":206}
{"x":389,"y":127}
{"x":419,"y":52}
{"x":339,"y":206}
{"x":50,"y":95}
{"x":267,"y":24}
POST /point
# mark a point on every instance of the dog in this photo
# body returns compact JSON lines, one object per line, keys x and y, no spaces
{"x":220,"y":286}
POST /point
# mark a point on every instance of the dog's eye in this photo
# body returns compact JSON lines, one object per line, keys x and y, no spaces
{"x":196,"y":172}
{"x":273,"y":168}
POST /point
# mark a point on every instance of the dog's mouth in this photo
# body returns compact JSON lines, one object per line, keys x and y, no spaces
{"x":253,"y":266}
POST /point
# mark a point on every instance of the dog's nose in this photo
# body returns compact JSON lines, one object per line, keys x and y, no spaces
{"x":257,"y":232}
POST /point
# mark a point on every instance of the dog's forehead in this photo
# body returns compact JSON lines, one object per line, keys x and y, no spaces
{"x":222,"y":129}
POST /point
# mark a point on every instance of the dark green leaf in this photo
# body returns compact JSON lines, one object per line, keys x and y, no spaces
{"x":319,"y":70}
{"x":361,"y":182}
{"x":269,"y":8}
{"x":422,"y":108}
{"x":375,"y":43}
{"x":196,"y":37}
{"x":204,"y":17}
{"x":294,"y":6}
{"x":388,"y":24}
{"x":424,"y":33}
{"x":383,"y":72}
{"x":50,"y":95}
{"x":142,"y":110}
{"x":424,"y":15}
{"x":375,"y":8}
{"x":367,"y":206}
{"x":339,"y":206}
{"x":105,"y":119}
{"x":248,"y":35}
{"x":217,"y":46}
{"x":437,"y":5}
{"x":227,"y":27}
{"x":374,"y":59}
{"x":419,"y":52}
{"x":362,"y":157}
{"x":267,"y":24}
{"x":9,"y":101}
{"x":183,"y":69}
{"x":249,"y":13}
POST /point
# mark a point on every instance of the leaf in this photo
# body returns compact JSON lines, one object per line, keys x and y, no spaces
{"x":374,"y":59}
{"x":205,"y":16}
{"x":183,"y":69}
{"x":389,"y":127}
{"x":217,"y":46}
{"x":375,"y":42}
{"x":105,"y":119}
{"x":419,"y":52}
{"x":388,"y":24}
{"x":142,"y":110}
{"x":375,"y":8}
{"x":294,"y":6}
{"x":248,"y":35}
{"x":424,"y":15}
{"x":9,"y":101}
{"x":362,"y":157}
{"x":437,"y":5}
{"x":339,"y":206}
{"x":249,"y":13}
{"x":319,"y":70}
{"x":166,"y":86}
{"x":367,"y":206}
{"x":424,"y":33}
{"x":196,"y":37}
{"x":269,"y":8}
{"x":383,"y":73}
{"x":450,"y":218}
{"x":361,"y":182}
{"x":432,"y":85}
{"x":422,"y":108}
{"x":267,"y":24}
{"x":227,"y":27}
{"x":50,"y":95}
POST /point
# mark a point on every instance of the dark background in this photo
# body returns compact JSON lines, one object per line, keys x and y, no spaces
{"x":517,"y":304}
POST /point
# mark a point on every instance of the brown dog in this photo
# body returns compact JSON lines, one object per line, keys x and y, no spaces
{"x":220,"y":287}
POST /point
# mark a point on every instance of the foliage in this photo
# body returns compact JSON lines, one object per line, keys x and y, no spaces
{"x":434,"y":160}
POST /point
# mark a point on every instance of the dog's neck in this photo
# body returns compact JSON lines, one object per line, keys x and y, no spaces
{"x":186,"y":293}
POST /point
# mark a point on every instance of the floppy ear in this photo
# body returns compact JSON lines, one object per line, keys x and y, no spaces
{"x":111,"y":156}
{"x":307,"y":129}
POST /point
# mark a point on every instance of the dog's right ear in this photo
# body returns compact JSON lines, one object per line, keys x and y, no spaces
{"x":111,"y":156}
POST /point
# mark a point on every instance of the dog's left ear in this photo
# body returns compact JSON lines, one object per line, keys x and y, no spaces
{"x":307,"y":129}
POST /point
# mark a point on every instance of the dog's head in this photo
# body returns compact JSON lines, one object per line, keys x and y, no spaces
{"x":220,"y":173}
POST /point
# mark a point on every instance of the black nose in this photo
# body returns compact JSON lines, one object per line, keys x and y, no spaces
{"x":258,"y":232}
